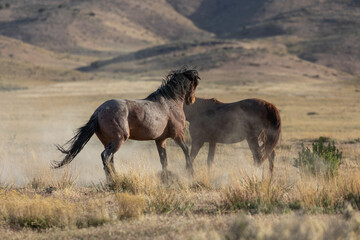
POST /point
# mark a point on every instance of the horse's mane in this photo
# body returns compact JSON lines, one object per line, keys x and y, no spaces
{"x":176,"y":84}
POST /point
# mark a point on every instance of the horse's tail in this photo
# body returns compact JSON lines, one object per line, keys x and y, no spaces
{"x":272,"y":133}
{"x":77,"y":143}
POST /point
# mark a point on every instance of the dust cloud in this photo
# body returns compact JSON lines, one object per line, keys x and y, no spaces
{"x":22,"y":160}
{"x":27,"y":149}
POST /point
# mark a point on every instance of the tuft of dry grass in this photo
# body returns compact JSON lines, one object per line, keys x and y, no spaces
{"x":250,"y":192}
{"x":129,"y":205}
{"x":20,"y":210}
{"x":41,"y":182}
{"x":133,"y":182}
{"x":166,"y":200}
{"x":202,"y":180}
{"x":93,"y":212}
{"x":39,"y":212}
{"x":329,"y":193}
{"x":296,"y":227}
{"x":160,"y":198}
{"x":311,"y":193}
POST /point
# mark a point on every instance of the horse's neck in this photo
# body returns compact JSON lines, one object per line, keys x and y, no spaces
{"x":158,"y":96}
{"x":170,"y":104}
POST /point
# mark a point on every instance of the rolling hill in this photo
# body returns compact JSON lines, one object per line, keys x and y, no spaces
{"x":94,"y":27}
{"x":327,"y":30}
{"x":162,"y":34}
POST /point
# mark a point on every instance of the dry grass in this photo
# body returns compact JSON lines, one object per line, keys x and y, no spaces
{"x":130,"y":206}
{"x":160,"y":198}
{"x":48,"y":181}
{"x":202,"y":180}
{"x":316,"y":194}
{"x":38,"y":211}
{"x":166,"y":200}
{"x":296,"y":227}
{"x":263,"y":194}
{"x":329,"y":193}
{"x":134,"y":182}
{"x":137,"y":194}
{"x":279,"y":207}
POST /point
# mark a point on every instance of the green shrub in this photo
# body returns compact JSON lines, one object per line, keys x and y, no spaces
{"x":322,"y":159}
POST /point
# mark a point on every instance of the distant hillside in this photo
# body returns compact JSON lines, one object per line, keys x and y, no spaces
{"x":18,"y":51}
{"x":319,"y":31}
{"x":95,"y":26}
{"x":328,"y":30}
{"x":200,"y":54}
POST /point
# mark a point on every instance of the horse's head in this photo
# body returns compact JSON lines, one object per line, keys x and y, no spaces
{"x":193,"y":77}
{"x":179,"y":85}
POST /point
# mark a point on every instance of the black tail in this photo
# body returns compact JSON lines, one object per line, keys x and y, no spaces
{"x":77,"y":143}
{"x":274,"y":130}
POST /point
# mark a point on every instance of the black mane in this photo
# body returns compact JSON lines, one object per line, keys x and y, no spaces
{"x":176,"y":84}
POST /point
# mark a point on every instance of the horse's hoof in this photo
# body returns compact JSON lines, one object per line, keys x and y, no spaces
{"x":164,"y":177}
{"x":50,"y":189}
{"x":190,"y":172}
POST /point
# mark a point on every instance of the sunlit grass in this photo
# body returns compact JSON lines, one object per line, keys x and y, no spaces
{"x":18,"y":209}
{"x":311,"y":193}
{"x":298,"y":227}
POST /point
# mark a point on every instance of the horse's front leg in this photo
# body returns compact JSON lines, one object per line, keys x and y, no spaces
{"x":211,"y":154}
{"x":181,"y":142}
{"x":195,"y":148}
{"x":161,"y":144}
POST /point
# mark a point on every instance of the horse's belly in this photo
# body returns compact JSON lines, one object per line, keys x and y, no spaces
{"x":150,"y":132}
{"x":224,"y":134}
{"x":230,"y":139}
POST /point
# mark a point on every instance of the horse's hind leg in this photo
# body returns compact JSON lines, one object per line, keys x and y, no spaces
{"x":107,"y":157}
{"x":255,"y":150}
{"x":160,"y":144}
{"x":211,"y":154}
{"x":271,"y":161}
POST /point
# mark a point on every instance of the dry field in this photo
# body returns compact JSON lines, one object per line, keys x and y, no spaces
{"x":236,"y":201}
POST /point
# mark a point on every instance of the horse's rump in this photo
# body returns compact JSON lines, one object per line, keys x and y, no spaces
{"x":274,"y":129}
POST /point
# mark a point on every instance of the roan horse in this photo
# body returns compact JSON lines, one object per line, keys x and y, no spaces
{"x":252,"y":119}
{"x":157,"y":117}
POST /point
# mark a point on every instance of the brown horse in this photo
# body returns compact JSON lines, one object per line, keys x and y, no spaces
{"x":252,"y":119}
{"x":157,"y":117}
